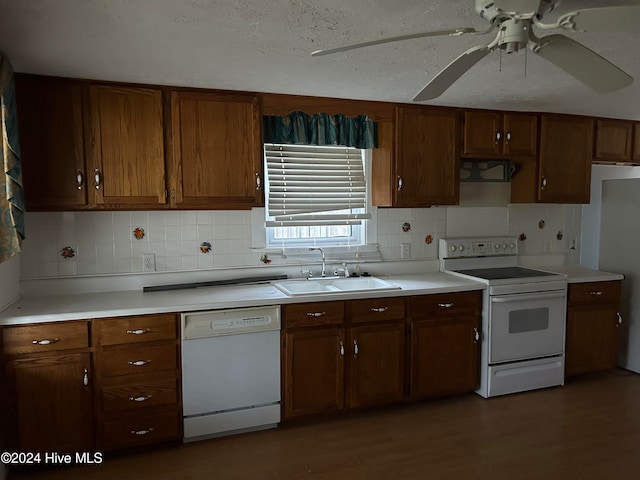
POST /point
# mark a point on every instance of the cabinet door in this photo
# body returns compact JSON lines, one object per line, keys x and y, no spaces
{"x":520,"y":134}
{"x":217,"y":150}
{"x":54,"y":404}
{"x":127,"y":146}
{"x":376,"y":364}
{"x":427,"y":157}
{"x":613,"y":140}
{"x":591,"y":339}
{"x":565,"y":159}
{"x":51,"y":142}
{"x":313,"y":371}
{"x":444,"y":356}
{"x":482,"y":133}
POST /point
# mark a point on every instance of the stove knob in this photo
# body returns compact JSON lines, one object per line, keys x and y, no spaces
{"x":504,"y":246}
{"x":452,"y":248}
{"x":461,"y":247}
{"x":497,"y":246}
{"x":512,"y":245}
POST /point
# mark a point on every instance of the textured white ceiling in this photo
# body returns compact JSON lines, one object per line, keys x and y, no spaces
{"x":265,"y":45}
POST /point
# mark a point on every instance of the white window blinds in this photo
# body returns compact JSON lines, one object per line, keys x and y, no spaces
{"x":315,"y":185}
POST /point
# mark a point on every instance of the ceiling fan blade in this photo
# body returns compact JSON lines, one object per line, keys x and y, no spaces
{"x":452,"y":72}
{"x":519,"y":6}
{"x":582,"y":63}
{"x":605,"y":19}
{"x":452,"y":32}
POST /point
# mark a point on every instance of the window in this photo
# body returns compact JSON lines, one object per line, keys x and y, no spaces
{"x":315,"y":195}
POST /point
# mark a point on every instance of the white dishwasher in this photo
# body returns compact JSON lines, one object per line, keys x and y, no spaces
{"x":230,"y":371}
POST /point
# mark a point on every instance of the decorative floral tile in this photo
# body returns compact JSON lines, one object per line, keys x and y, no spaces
{"x":406,"y":227}
{"x":265,"y":259}
{"x":67,"y":252}
{"x":428,"y":239}
{"x":205,"y":247}
{"x":559,"y":235}
{"x":522,"y":237}
{"x":541,"y":224}
{"x":138,"y":233}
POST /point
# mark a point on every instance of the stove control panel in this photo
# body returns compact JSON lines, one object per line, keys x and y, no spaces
{"x":459,"y":247}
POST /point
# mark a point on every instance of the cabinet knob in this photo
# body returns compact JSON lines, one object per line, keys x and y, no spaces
{"x":139,"y":363}
{"x":508,"y":136}
{"x":97,"y":179}
{"x":476,"y":335}
{"x":140,"y":398}
{"x":258,"y":182}
{"x":79,"y":179}
{"x":619,"y":322}
{"x":139,"y":331}
{"x":379,"y":309}
{"x":341,"y":348}
{"x":399,"y":183}
{"x":85,"y":377}
{"x":45,"y":341}
{"x":355,"y":348}
{"x":498,"y":136}
{"x":543,"y":183}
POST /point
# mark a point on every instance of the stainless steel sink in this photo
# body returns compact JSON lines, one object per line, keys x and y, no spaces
{"x":333,"y":285}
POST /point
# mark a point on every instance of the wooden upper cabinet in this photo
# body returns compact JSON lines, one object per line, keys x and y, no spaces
{"x":564,"y":174}
{"x":127,"y":146}
{"x":427,"y":170}
{"x":217,"y":150}
{"x":494,"y":134}
{"x":51,"y":142}
{"x":613,"y":140}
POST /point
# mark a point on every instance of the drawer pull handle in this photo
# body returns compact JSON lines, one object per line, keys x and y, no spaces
{"x":379,"y":309}
{"x":316,"y":314}
{"x":619,"y":322}
{"x":476,"y":335}
{"x":85,"y":377}
{"x":445,"y":305}
{"x":139,"y":363}
{"x":46,"y":341}
{"x":139,"y":331}
{"x":356,"y":349}
{"x":140,"y":398}
{"x":341,"y":348}
{"x":139,"y":433}
{"x":596,"y":293}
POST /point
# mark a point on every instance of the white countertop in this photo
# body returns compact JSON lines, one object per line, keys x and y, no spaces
{"x":38,"y":309}
{"x":578,"y":274}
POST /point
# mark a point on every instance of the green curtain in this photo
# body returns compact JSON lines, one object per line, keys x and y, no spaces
{"x":11,"y":194}
{"x":320,"y":129}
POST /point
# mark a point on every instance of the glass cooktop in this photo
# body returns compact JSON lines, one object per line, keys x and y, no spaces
{"x":502,"y":273}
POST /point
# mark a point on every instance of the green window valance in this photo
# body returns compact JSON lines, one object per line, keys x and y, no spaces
{"x":299,"y":128}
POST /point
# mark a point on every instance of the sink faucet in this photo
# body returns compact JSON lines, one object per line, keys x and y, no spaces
{"x":324,"y":273}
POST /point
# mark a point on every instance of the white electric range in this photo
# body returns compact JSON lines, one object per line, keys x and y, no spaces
{"x":523,"y":314}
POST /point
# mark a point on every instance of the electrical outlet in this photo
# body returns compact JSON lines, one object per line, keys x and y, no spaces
{"x":148,"y":262}
{"x":405,"y":250}
{"x":548,"y":246}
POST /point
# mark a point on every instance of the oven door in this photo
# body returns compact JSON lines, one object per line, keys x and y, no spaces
{"x":526,"y":325}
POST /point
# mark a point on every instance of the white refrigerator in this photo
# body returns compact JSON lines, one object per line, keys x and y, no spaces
{"x":620,"y":253}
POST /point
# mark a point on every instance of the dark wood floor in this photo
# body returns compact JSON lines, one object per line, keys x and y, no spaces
{"x":588,"y":429}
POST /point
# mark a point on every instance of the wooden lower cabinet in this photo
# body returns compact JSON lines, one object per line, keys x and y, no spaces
{"x":48,"y":379}
{"x":138,"y":398}
{"x":445,"y":344}
{"x":592,"y":321}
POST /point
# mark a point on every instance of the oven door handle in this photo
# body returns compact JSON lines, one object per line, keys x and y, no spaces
{"x":524,"y":297}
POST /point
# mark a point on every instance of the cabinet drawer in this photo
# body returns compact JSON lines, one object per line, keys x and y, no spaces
{"x":376,"y":309}
{"x":133,"y":361}
{"x":147,"y":328}
{"x":595,"y":292}
{"x":313,"y":314}
{"x":446,"y":304}
{"x":45,"y":337}
{"x":139,"y":396}
{"x":142,"y":430}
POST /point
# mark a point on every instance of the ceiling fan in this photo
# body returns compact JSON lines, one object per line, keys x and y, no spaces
{"x":513,"y":20}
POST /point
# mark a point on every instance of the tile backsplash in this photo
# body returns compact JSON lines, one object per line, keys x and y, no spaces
{"x":96,"y":243}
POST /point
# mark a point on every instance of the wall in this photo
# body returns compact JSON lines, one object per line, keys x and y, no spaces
{"x":73,"y":244}
{"x":591,"y":213}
